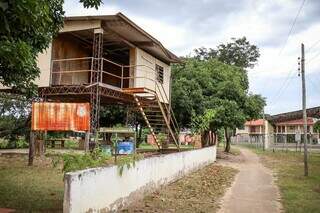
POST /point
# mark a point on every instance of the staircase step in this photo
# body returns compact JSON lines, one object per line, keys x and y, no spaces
{"x":152,"y":112}
{"x":150,"y":106}
{"x":154,"y":116}
{"x":157,"y":124}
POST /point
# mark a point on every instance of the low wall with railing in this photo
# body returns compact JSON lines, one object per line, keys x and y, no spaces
{"x":104,"y":189}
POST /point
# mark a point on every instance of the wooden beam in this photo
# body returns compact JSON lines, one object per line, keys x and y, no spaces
{"x":83,"y":40}
{"x":119,"y":36}
{"x":145,"y":43}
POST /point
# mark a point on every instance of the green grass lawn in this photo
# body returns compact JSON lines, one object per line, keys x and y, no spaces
{"x":299,"y":193}
{"x":30,"y":189}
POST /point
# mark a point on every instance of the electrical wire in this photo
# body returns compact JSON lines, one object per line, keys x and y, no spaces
{"x":314,"y":57}
{"x":313,"y":45}
{"x":288,"y":36}
{"x":292,"y":26}
{"x":283,"y":87}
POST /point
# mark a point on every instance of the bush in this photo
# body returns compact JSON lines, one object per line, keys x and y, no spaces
{"x":74,"y":162}
{"x":128,"y":161}
{"x":71,"y":144}
{"x":3,"y":143}
{"x":21,"y":143}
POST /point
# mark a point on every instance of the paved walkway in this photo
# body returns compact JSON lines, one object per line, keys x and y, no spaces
{"x":253,"y":189}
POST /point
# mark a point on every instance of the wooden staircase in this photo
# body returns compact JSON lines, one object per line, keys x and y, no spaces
{"x":157,"y":115}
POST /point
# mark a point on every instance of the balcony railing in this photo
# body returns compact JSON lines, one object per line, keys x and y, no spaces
{"x":78,"y":71}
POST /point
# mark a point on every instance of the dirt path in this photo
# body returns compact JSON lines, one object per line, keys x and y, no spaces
{"x":253,"y":189}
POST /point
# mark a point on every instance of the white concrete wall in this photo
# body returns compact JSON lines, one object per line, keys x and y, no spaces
{"x":146,"y":64}
{"x":104,"y":189}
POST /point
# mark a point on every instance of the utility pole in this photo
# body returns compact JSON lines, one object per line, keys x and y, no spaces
{"x":264,"y":132}
{"x":304,"y":111}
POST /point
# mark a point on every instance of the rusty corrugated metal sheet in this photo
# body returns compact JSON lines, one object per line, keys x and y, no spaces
{"x":60,"y":116}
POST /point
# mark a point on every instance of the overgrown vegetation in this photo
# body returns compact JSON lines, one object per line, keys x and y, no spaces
{"x":299,"y":193}
{"x":127,"y":161}
{"x":97,"y":158}
{"x":74,"y":161}
{"x":71,"y":144}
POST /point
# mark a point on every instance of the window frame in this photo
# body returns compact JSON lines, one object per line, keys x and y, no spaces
{"x":160,"y":74}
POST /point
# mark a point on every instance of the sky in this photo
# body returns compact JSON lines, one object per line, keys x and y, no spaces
{"x":183,"y":25}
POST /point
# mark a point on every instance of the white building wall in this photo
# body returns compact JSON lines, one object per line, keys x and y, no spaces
{"x":103,"y":189}
{"x":145,"y":68}
{"x":44,"y":64}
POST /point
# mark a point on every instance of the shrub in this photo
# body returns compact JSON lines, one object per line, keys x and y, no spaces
{"x":74,"y":162}
{"x":3,"y":143}
{"x":128,"y":161}
{"x":21,"y":143}
{"x":71,"y":144}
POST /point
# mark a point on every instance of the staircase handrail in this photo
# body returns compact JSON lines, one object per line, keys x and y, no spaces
{"x":163,"y":91}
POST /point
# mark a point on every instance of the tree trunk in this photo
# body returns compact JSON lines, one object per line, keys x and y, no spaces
{"x":204,"y":139}
{"x":215,"y":138}
{"x":139,"y":139}
{"x":227,"y":135}
{"x":31,"y":148}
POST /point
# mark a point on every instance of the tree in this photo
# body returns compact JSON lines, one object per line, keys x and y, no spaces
{"x":239,"y":53}
{"x":316,"y":127}
{"x":27,"y":28}
{"x":14,"y":117}
{"x":212,"y":81}
{"x":201,"y":124}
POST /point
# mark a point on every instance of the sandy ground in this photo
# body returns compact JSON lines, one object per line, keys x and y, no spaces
{"x":253,"y":190}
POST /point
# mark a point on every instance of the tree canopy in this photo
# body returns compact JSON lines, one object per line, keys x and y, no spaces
{"x":26,"y":29}
{"x":239,"y":52}
{"x":211,"y":89}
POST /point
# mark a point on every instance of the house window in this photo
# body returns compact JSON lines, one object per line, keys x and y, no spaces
{"x":159,"y":72}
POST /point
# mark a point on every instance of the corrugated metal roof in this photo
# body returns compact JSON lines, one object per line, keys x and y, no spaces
{"x":134,"y":34}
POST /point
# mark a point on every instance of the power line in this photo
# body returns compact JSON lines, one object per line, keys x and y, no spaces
{"x":283,"y":87}
{"x":314,"y":57}
{"x":289,"y":34}
{"x":313,"y":45}
{"x":313,"y":84}
{"x":292,"y":26}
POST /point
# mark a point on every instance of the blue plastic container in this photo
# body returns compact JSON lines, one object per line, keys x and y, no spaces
{"x":125,"y":147}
